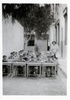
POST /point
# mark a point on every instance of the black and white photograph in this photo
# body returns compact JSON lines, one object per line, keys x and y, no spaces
{"x":34,"y":49}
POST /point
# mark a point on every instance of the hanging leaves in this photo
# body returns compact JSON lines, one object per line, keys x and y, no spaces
{"x":31,"y":16}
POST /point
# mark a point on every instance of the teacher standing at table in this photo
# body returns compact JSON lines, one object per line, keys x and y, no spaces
{"x":54,"y":49}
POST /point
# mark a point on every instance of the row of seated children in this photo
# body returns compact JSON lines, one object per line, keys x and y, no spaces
{"x":29,"y":56}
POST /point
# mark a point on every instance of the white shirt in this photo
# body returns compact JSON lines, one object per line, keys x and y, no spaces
{"x":54,"y":48}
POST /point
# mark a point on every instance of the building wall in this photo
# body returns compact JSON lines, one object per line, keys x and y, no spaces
{"x":62,"y":45}
{"x":12,"y":36}
{"x":59,"y":25}
{"x":42,"y":44}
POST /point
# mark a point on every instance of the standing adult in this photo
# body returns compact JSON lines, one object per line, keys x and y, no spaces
{"x":54,"y":49}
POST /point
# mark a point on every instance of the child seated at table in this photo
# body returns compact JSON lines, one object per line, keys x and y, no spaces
{"x":5,"y":67}
{"x":25,"y":56}
{"x":4,"y":58}
{"x":21,"y":59}
{"x":11,"y":57}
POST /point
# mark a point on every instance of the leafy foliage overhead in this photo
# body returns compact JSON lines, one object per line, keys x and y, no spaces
{"x":31,"y":16}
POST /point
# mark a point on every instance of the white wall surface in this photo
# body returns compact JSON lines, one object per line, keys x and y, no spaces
{"x":12,"y":36}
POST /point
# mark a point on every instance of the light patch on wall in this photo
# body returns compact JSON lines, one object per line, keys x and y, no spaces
{"x":42,"y":44}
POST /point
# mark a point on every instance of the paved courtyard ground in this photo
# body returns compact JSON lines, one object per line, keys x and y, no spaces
{"x":35,"y":86}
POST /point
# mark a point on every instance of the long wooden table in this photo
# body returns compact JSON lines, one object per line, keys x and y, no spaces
{"x":41,"y":66}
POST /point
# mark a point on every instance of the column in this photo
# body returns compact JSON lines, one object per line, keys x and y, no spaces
{"x":25,"y":70}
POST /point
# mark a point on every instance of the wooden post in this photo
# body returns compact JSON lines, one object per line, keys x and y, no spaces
{"x":27,"y":70}
{"x":40,"y":70}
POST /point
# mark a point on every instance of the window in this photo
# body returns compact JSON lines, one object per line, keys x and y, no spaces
{"x":31,"y":41}
{"x":58,"y":33}
{"x":65,"y":16}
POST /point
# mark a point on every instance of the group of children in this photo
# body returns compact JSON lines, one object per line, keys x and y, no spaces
{"x":29,"y":56}
{"x":35,"y":55}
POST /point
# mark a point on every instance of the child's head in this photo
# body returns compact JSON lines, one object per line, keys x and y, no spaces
{"x":32,"y":58}
{"x":11,"y":54}
{"x":4,"y":58}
